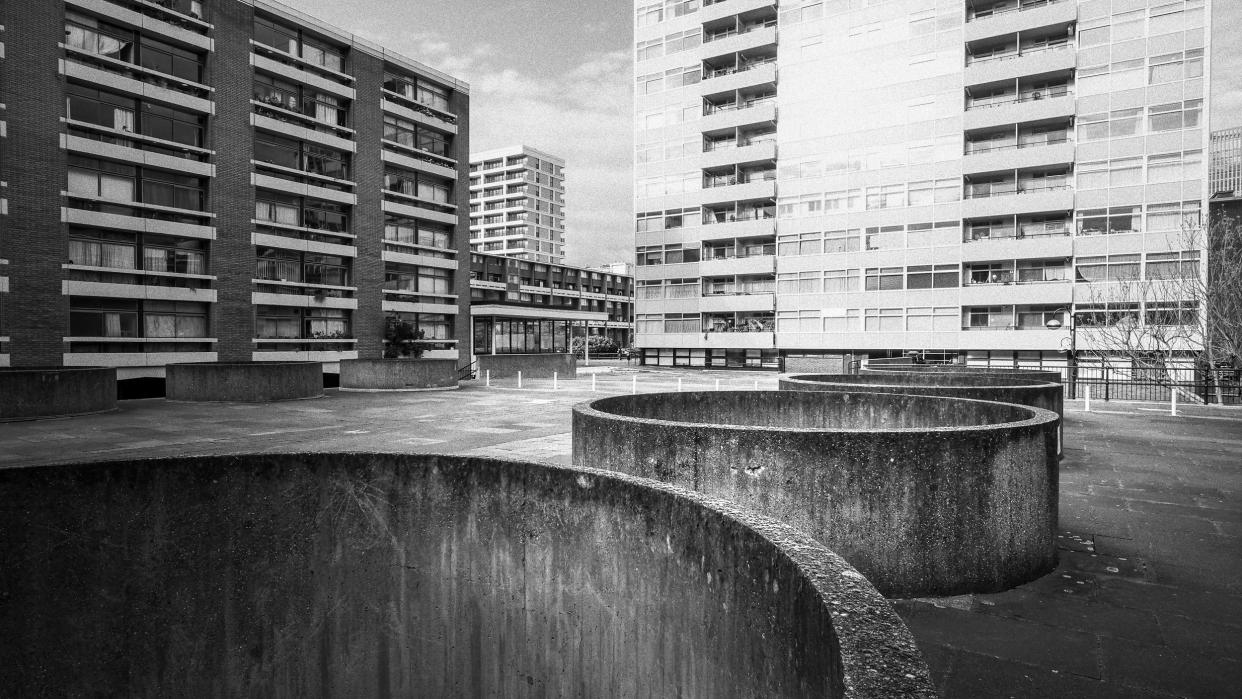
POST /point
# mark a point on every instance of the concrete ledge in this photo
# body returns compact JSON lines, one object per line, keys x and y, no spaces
{"x":1003,"y":388}
{"x":398,"y":374}
{"x":243,"y":382}
{"x":42,"y":392}
{"x":873,"y":366}
{"x":532,"y":366}
{"x":924,"y":495}
{"x":397,"y":574}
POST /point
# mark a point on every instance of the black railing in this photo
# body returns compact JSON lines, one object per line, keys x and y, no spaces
{"x":1223,"y":386}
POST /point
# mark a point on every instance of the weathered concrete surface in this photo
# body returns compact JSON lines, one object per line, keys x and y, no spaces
{"x":532,"y":366}
{"x":379,"y":575}
{"x":1002,"y":388}
{"x":243,"y":382}
{"x":398,"y":374}
{"x":874,"y":366}
{"x":924,"y":495}
{"x":56,"y":391}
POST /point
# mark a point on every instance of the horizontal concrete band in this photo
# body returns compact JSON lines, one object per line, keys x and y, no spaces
{"x":243,"y":382}
{"x":924,"y":495}
{"x":875,"y":366}
{"x":398,"y":374}
{"x":395,"y":574}
{"x":532,"y":366}
{"x":39,"y":392}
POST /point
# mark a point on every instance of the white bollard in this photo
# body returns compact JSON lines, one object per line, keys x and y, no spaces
{"x":1173,"y":402}
{"x":487,"y":378}
{"x":756,"y":384}
{"x":592,"y":383}
{"x":717,"y":384}
{"x":679,"y":384}
{"x":519,"y":379}
{"x":1086,"y":398}
{"x":554,"y":381}
{"x":634,"y":384}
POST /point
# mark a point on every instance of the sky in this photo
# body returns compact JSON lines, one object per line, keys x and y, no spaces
{"x":551,"y":74}
{"x":556,"y":75}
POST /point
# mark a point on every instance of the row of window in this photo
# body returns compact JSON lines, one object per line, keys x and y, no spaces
{"x":101,"y":317}
{"x":113,"y":111}
{"x":137,"y":251}
{"x":95,"y":178}
{"x":301,"y":155}
{"x":656,"y":12}
{"x":308,"y":101}
{"x":278,"y":264}
{"x":90,"y":35}
{"x":1121,"y":123}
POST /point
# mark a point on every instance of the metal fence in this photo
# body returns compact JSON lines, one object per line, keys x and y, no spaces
{"x":1105,"y":383}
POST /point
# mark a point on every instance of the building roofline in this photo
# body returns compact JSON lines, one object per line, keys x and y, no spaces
{"x":358,"y":42}
{"x":516,"y":149}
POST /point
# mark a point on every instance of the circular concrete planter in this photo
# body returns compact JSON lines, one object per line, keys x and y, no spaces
{"x":924,"y":495}
{"x":243,"y":382}
{"x":398,"y":374}
{"x":42,"y":392}
{"x":1027,"y":374}
{"x":398,"y":574}
{"x":1003,"y":388}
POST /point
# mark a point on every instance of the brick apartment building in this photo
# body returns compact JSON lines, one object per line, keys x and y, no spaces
{"x":222,"y":180}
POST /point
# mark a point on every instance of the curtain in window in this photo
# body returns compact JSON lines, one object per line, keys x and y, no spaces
{"x":325,"y":113}
{"x":155,"y":260}
{"x":192,"y":326}
{"x":123,"y":119}
{"x":83,"y":182}
{"x":118,"y":256}
{"x":116,"y":188}
{"x":112,"y":325}
{"x":83,"y":253}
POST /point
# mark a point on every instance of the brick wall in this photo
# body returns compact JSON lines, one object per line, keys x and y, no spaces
{"x":35,"y":240}
{"x":368,"y":218}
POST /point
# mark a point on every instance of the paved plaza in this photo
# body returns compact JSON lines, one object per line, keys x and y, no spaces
{"x":1146,"y":601}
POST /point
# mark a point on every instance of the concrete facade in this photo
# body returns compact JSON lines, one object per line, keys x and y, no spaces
{"x":532,"y":366}
{"x":517,"y":204}
{"x":925,"y":496}
{"x":398,"y":374}
{"x":230,"y":181}
{"x":320,"y":575}
{"x":836,"y":178}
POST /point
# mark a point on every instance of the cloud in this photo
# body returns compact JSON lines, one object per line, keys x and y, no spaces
{"x":582,"y":115}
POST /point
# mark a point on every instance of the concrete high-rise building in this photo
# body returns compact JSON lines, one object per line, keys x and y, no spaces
{"x":222,"y":181}
{"x":822,"y":178}
{"x":517,"y":204}
{"x":1226,"y":163}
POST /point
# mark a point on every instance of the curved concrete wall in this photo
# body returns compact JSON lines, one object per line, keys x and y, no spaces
{"x":243,"y":382}
{"x":376,"y":575}
{"x":56,"y":391}
{"x":532,"y":366}
{"x":398,"y":374}
{"x":874,"y":367}
{"x":924,"y":495}
{"x":1003,"y":388}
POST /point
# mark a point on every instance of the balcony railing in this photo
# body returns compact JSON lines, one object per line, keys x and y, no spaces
{"x":1004,"y":233}
{"x":734,"y":106}
{"x":1016,"y":7}
{"x":1032,"y":96}
{"x":1010,"y":54}
{"x":730,"y":70}
{"x":978,"y":147}
{"x":1004,"y":189}
{"x":737,"y":31}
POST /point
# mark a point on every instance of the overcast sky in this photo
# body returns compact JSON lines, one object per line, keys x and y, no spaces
{"x":556,"y":75}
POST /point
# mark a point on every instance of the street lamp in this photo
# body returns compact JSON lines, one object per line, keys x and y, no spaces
{"x":1054,"y":323}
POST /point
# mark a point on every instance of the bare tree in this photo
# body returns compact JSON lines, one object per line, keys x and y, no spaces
{"x":1178,"y":314}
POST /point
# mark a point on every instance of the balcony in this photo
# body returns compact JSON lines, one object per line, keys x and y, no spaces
{"x":281,"y":184}
{"x":733,"y":41}
{"x":99,"y":219}
{"x":1018,"y":293}
{"x":720,"y":10}
{"x":137,"y":291}
{"x":759,"y":111}
{"x":153,"y":19}
{"x":1012,"y":109}
{"x":1011,"y":66}
{"x":128,"y":150}
{"x":415,"y":208}
{"x":1005,"y":199}
{"x":733,"y":265}
{"x":740,"y":302}
{"x":138,"y":81}
{"x":319,"y":297}
{"x":1018,"y":156}
{"x":1028,"y":14}
{"x":757,"y":151}
{"x":397,"y":105}
{"x":735,"y":189}
{"x":727,"y":80}
{"x":289,"y":67}
{"x":732,"y":225}
{"x":1002,"y":247}
{"x":412,"y":159}
{"x":412,"y":258}
{"x":137,"y":358}
{"x":299,"y":126}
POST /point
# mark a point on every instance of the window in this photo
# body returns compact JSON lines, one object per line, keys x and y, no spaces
{"x":841,"y":241}
{"x":989,"y":318}
{"x":989,"y":273}
{"x":100,"y":317}
{"x":1116,"y":219}
{"x":103,"y":249}
{"x":1172,"y":217}
{"x":418,"y":185}
{"x":883,"y":320}
{"x":1111,"y":268}
{"x":170,"y":60}
{"x":841,"y":320}
{"x":1173,"y":265}
{"x":1030,"y":271}
{"x":929,"y":277}
{"x":840,"y":280}
{"x":1168,"y":117}
{"x":1038,"y":317}
{"x":174,"y":319}
{"x":101,"y":108}
{"x":92,"y":177}
{"x":883,"y":279}
{"x":1172,"y":313}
